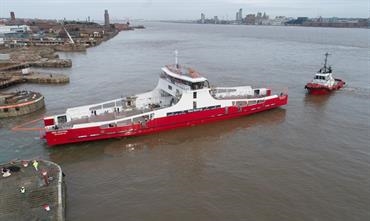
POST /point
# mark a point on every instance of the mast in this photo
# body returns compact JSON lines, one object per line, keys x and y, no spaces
{"x":176,"y":60}
{"x":326,"y":60}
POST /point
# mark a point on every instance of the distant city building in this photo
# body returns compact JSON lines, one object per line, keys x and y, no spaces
{"x":265,"y":19}
{"x":279,"y":20}
{"x":250,"y":19}
{"x":265,"y":16}
{"x":240,"y":15}
{"x":331,"y":22}
{"x":216,"y":19}
{"x":14,"y":31}
{"x":12,"y":16}
{"x":298,"y":21}
{"x":106,"y":19}
{"x":262,"y":19}
{"x":202,"y":18}
{"x":259,"y":19}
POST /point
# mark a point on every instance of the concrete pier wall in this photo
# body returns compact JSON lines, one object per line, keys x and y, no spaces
{"x":49,"y":63}
{"x":53,"y":63}
{"x":46,"y":79}
{"x":9,"y":79}
{"x":22,"y":108}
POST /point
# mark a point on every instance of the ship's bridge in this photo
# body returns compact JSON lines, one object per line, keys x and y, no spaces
{"x":320,"y":76}
{"x":186,"y":78}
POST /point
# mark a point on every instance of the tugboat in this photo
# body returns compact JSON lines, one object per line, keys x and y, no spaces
{"x":182,"y":98}
{"x":323,"y":82}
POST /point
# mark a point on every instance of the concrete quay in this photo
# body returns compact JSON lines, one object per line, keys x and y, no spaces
{"x":32,"y":194}
{"x":20,"y":103}
{"x":70,"y":48}
{"x":46,"y":78}
{"x":9,"y":79}
{"x":45,"y":63}
{"x":52,"y":63}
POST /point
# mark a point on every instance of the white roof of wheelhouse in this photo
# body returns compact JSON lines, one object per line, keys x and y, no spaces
{"x":322,"y":74}
{"x":183,"y":77}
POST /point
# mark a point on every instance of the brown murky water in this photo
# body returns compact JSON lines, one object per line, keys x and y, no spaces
{"x":307,"y":161}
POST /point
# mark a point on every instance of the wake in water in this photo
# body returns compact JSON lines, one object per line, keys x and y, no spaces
{"x":357,"y":92}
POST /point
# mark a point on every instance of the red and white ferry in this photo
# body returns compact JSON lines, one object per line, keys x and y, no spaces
{"x":323,"y":82}
{"x":182,"y":98}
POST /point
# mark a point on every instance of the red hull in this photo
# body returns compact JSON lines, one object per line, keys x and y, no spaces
{"x":159,"y":124}
{"x":317,"y":89}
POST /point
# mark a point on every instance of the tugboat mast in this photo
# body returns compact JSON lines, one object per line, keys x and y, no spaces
{"x":326,"y":60}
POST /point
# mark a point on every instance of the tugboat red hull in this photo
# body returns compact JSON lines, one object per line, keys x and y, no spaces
{"x":318,"y":89}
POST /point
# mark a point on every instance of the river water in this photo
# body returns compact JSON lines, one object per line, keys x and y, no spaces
{"x":309,"y":160}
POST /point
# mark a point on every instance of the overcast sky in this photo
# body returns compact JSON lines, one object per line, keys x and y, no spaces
{"x":180,"y":9}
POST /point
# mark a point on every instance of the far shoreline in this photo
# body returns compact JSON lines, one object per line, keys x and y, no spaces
{"x":233,"y":24}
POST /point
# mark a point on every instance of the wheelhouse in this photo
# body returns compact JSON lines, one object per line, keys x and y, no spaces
{"x":186,"y":78}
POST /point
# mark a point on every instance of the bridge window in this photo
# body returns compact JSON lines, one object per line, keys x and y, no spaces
{"x":194,"y":95}
{"x":196,"y":86}
{"x":62,"y":119}
{"x":170,"y":87}
{"x":194,"y":105}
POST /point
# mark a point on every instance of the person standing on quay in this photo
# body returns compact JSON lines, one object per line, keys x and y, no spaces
{"x":36,"y":165}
